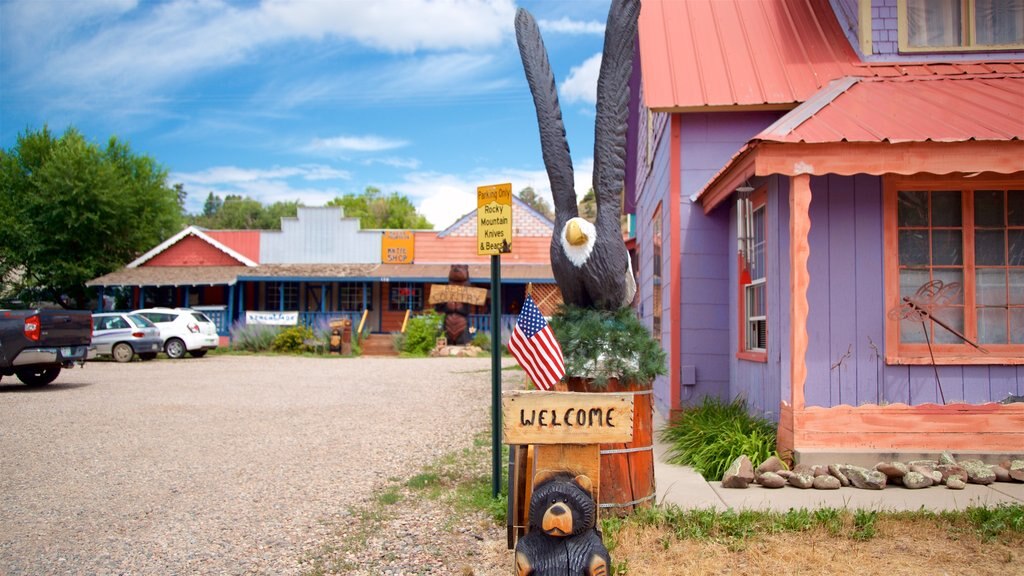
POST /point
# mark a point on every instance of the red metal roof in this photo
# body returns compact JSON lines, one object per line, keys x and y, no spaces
{"x":698,"y":53}
{"x":907,"y":109}
{"x":245,"y":242}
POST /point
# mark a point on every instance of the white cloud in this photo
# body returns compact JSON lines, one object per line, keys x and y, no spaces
{"x":368,"y":143}
{"x":567,"y":26}
{"x":278,"y":184}
{"x":581,"y":84}
{"x":125,"y":48}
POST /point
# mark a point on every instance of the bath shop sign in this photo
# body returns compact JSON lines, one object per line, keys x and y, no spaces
{"x":567,"y":418}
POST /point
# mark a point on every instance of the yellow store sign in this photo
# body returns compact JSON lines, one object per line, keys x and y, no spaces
{"x":396,"y":247}
{"x":494,"y":219}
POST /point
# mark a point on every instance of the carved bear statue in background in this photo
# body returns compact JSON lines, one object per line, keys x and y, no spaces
{"x":456,"y":314}
{"x":563,"y":539}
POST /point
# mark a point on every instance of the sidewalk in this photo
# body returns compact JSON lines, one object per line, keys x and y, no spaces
{"x":682,"y":486}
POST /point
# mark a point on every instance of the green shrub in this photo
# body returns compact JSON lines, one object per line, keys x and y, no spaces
{"x":599,"y":345}
{"x":253,"y":337}
{"x":421,"y":333}
{"x":291,"y":339}
{"x":710,"y":436}
{"x":482,"y":340}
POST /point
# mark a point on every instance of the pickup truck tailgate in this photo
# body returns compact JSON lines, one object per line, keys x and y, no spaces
{"x":65,"y":328}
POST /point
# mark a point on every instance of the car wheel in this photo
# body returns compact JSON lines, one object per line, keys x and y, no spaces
{"x":198,"y":353}
{"x":122,"y":352}
{"x":174,"y":348}
{"x":147,"y":355}
{"x":38,"y":375}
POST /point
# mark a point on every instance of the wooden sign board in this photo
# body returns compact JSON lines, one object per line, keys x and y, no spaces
{"x":441,"y":293}
{"x":397,"y":247}
{"x":566,"y":417}
{"x":494,"y":219}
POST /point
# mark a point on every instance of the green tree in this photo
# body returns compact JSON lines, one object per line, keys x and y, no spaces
{"x":588,"y":206}
{"x":243,"y":213}
{"x":536,"y":201}
{"x":71,"y":211}
{"x":377,"y":210}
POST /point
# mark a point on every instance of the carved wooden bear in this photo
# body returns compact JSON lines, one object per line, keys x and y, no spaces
{"x":562,"y":539}
{"x":456,"y":323}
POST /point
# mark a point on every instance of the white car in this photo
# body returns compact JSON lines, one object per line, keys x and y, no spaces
{"x":183,"y":330}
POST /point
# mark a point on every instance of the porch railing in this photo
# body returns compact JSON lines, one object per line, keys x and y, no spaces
{"x":320,"y":320}
{"x":482,"y":323}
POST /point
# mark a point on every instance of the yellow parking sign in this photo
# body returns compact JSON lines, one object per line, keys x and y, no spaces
{"x":494,"y":219}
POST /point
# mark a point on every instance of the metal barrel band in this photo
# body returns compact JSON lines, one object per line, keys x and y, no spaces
{"x":623,"y":504}
{"x":627,"y":450}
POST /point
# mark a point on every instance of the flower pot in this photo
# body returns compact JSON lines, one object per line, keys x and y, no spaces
{"x":627,"y":470}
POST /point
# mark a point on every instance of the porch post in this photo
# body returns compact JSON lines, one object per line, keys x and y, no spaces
{"x":280,"y":293}
{"x":799,"y":280}
{"x":229,"y":318}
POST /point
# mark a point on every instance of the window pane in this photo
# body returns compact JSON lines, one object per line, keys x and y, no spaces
{"x":1016,"y":287}
{"x":933,"y":23}
{"x":911,"y":281}
{"x":988,"y":208}
{"x":911,"y":332}
{"x":913,"y":247}
{"x":1017,"y":326}
{"x":1015,"y":207}
{"x":999,"y":22}
{"x":913,"y":209}
{"x":953,"y":286}
{"x":992,"y":325}
{"x":947,"y":247}
{"x":988,"y":247}
{"x":952,"y":316}
{"x":991,"y":287}
{"x":946,"y":209}
{"x":1016,"y":247}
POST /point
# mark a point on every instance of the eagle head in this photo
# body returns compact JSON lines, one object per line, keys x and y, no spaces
{"x":578,"y":237}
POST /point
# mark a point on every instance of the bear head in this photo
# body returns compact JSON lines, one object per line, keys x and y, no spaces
{"x":562,"y":505}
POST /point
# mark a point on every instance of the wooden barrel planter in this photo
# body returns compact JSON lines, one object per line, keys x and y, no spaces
{"x":627,"y":470}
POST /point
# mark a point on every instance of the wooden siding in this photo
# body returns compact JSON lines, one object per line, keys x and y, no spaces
{"x":192,"y":251}
{"x":431,"y":249}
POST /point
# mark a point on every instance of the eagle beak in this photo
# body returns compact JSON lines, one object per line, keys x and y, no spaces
{"x":574,"y":235}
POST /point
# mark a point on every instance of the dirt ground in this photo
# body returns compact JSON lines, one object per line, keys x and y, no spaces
{"x":900,"y":547}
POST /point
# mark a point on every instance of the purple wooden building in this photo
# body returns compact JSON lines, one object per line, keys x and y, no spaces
{"x":829,"y":202}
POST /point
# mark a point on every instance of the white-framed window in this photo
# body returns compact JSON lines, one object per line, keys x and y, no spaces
{"x":753,"y":275}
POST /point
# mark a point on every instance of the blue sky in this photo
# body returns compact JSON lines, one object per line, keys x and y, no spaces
{"x":305,"y":99}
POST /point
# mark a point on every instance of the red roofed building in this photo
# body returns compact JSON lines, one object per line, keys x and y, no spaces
{"x":829,"y":203}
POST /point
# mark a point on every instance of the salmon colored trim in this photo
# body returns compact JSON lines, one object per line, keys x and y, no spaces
{"x":927,"y":428}
{"x":758,"y":199}
{"x":799,"y":281}
{"x":878,"y":158}
{"x":675,"y":256}
{"x":738,"y":171}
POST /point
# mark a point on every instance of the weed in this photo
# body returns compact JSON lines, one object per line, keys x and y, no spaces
{"x":864,"y":524}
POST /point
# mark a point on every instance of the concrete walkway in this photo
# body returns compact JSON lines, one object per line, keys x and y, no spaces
{"x":682,"y":486}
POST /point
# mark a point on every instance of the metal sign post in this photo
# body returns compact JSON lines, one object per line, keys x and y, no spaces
{"x":494,"y":237}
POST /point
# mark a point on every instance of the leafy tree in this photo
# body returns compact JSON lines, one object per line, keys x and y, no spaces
{"x":71,"y":211}
{"x":243,"y":213}
{"x":588,"y":205}
{"x":536,"y":201}
{"x":376,"y":210}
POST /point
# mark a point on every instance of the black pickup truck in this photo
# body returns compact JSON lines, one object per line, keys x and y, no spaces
{"x":36,"y":344}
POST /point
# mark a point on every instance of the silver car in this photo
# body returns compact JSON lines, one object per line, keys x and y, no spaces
{"x":123,"y":335}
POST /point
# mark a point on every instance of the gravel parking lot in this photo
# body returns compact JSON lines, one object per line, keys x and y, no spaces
{"x":219,"y":465}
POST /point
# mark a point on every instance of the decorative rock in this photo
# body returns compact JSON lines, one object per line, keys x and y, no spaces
{"x":892,"y":469}
{"x":925,"y":471}
{"x":955,"y":483}
{"x":772,"y":464}
{"x":834,"y":470}
{"x":1017,"y":470}
{"x":771,"y":480}
{"x":805,"y":469}
{"x":1002,"y":474}
{"x":932,"y":463}
{"x":739,"y":474}
{"x":821,"y":470}
{"x":916,"y":480}
{"x":978,"y":472}
{"x":947,"y":470}
{"x":865,"y":479}
{"x":947,"y":459}
{"x":826,"y":482}
{"x":803,"y":481}
{"x":785,"y":473}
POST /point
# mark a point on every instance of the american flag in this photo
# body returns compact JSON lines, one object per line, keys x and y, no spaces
{"x":534,"y":346}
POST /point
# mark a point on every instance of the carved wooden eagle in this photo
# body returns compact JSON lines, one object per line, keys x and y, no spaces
{"x":590,"y":261}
